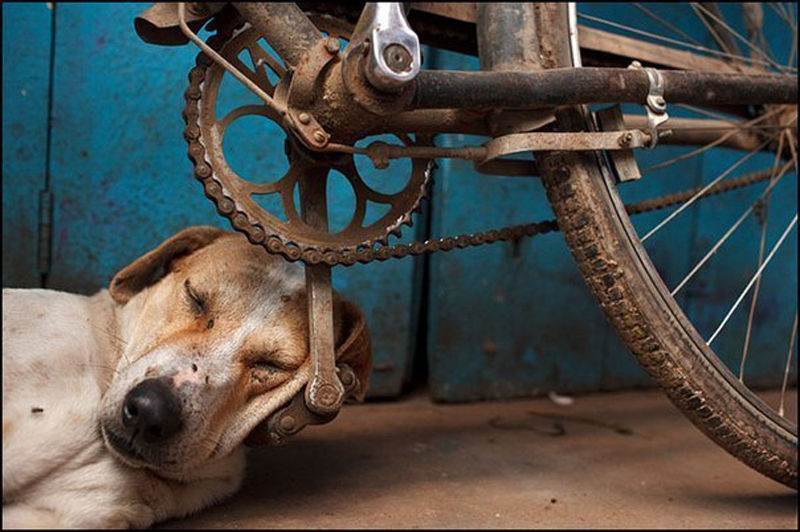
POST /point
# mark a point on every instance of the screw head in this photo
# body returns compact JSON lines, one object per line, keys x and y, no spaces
{"x":397,"y":57}
{"x":332,"y":45}
{"x":304,"y":118}
{"x":319,"y":136}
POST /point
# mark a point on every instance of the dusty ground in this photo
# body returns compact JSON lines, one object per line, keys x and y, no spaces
{"x":609,"y":460}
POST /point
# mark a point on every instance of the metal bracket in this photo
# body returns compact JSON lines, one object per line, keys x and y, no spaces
{"x":655,"y":104}
{"x":623,"y":161}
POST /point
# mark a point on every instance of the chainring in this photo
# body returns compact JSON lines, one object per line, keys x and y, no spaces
{"x":234,"y":196}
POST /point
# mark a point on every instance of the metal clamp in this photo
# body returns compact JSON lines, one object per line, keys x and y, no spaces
{"x":394,"y":54}
{"x":655,"y":104}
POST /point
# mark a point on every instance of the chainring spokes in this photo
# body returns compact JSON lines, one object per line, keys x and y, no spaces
{"x":249,"y":197}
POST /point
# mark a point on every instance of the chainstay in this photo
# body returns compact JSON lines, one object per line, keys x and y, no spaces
{"x":379,"y":252}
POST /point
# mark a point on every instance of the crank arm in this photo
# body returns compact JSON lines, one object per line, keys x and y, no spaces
{"x":324,"y":392}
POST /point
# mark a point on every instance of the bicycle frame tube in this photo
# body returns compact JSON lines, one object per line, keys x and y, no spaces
{"x":572,"y":86}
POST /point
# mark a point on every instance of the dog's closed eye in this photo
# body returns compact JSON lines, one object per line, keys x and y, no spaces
{"x":196,"y":300}
{"x":266,"y":372}
{"x":266,"y":364}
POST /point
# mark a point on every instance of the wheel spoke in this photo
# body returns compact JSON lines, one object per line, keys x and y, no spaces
{"x":710,"y":51}
{"x":772,"y":252}
{"x":788,"y":365}
{"x":706,"y":112}
{"x":702,"y":191}
{"x":666,"y":24}
{"x":731,"y":230}
{"x":736,"y":34}
{"x":762,"y":219}
{"x":723,"y":41}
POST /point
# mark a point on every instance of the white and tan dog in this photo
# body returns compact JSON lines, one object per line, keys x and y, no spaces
{"x":130,"y":406}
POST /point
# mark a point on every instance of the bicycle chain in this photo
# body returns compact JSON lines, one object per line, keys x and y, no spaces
{"x":347,"y":256}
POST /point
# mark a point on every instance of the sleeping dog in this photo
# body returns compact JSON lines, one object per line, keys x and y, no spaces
{"x":130,"y":406}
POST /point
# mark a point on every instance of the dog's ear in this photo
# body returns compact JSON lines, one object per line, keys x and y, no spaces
{"x":353,"y":344}
{"x":152,"y":266}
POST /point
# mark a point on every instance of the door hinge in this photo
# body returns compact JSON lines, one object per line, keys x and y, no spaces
{"x":45,"y":231}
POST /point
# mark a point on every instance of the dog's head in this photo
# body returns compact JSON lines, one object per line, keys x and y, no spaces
{"x":214,"y":338}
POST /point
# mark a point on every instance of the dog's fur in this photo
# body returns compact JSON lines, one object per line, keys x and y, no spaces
{"x":223,"y":320}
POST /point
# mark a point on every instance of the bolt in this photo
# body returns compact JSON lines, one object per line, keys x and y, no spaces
{"x":319,"y":136}
{"x":287,"y":423}
{"x":304,"y":118}
{"x":327,"y":395}
{"x":398,"y":58}
{"x":625,"y":139}
{"x":332,"y":44}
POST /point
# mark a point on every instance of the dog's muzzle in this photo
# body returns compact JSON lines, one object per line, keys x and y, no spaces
{"x":292,"y":418}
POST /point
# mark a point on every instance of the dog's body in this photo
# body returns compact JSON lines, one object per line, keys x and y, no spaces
{"x":77,"y":452}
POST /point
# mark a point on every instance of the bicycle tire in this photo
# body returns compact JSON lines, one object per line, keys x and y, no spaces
{"x":620,"y":274}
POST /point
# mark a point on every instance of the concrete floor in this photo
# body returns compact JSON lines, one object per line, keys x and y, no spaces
{"x":609,"y":460}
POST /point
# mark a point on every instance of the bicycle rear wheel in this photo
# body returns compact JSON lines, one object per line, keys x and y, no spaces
{"x":613,"y":260}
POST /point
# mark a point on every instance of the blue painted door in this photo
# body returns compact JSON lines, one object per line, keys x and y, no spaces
{"x":26,"y":34}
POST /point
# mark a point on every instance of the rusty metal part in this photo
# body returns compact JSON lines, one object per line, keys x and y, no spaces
{"x":572,"y":86}
{"x":233,"y":195}
{"x":324,"y":392}
{"x":285,"y":27}
{"x":238,"y":73}
{"x":158,"y":24}
{"x":622,"y":161}
{"x":302,"y":93}
{"x":295,"y":416}
{"x":380,"y":152}
{"x":517,"y":50}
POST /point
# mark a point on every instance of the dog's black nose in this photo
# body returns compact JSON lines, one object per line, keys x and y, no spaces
{"x":152,"y":410}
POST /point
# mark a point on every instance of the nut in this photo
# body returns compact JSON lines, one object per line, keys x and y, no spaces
{"x":625,"y":139}
{"x":304,"y":118}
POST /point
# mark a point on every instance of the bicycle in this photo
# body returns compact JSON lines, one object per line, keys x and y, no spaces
{"x":540,"y":73}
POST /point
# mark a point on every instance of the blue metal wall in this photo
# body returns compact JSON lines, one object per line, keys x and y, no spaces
{"x":500,"y":321}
